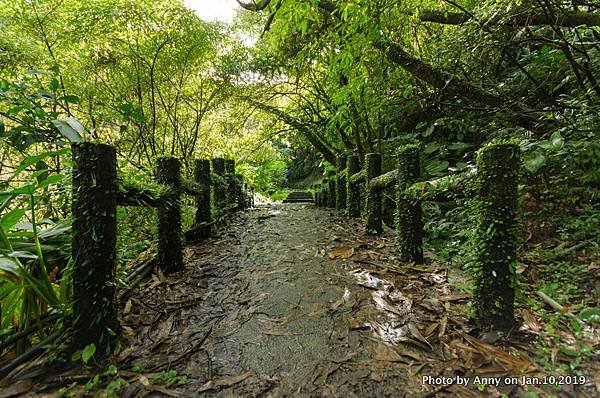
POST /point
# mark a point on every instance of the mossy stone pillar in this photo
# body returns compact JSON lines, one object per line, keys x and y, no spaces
{"x":331,"y":192}
{"x":231,"y":182}
{"x":374,"y":224}
{"x":93,"y":247}
{"x":170,"y":242}
{"x":219,"y":189}
{"x":202,"y":177}
{"x":317,"y":196}
{"x":409,"y":223}
{"x":340,"y":184}
{"x":239,"y":191}
{"x":352,"y":188}
{"x":496,"y":232}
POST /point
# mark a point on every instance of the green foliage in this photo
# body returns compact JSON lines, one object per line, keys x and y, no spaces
{"x":266,"y":176}
{"x":34,"y":252}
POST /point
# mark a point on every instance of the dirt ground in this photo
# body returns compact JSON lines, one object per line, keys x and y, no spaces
{"x":289,"y":300}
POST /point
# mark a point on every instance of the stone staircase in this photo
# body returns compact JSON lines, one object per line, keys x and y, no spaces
{"x":299,"y":197}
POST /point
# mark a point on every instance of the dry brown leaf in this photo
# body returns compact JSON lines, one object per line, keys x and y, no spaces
{"x":497,"y":355}
{"x":279,"y":333}
{"x":430,"y":329}
{"x":387,"y":354}
{"x":443,"y":324}
{"x":144,"y":380}
{"x":163,"y":332}
{"x":18,"y":388}
{"x":163,"y":390}
{"x":530,"y":321}
{"x":417,"y":335}
{"x":226,"y":382}
{"x":127,"y":308}
{"x":342,"y":252}
{"x":232,"y":316}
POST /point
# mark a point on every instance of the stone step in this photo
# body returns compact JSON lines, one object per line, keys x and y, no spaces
{"x":299,"y":197}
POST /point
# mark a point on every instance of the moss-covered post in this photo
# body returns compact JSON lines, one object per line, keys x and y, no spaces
{"x":317,"y":196}
{"x":495,"y":239}
{"x":352,"y":188}
{"x":331,"y":192}
{"x":93,"y":247}
{"x":231,"y":182}
{"x":219,"y":188}
{"x":202,"y":177}
{"x":170,"y":243}
{"x":409,"y":223}
{"x":340,"y":184}
{"x":240,"y":191}
{"x":325,"y":198}
{"x":374,"y":225}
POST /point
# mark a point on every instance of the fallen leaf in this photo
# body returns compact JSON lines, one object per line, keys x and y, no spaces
{"x":18,"y":388}
{"x":279,"y":333}
{"x":417,"y":335}
{"x":127,"y":308}
{"x":226,"y":382}
{"x":342,"y":252}
{"x":144,"y":380}
{"x":386,"y":353}
{"x":530,"y":321}
{"x":232,"y":316}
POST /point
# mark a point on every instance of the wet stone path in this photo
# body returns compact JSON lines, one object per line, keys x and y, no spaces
{"x":266,"y":307}
{"x":291,"y":300}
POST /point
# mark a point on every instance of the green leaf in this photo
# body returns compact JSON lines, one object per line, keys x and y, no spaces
{"x":66,"y":128}
{"x":557,"y":140}
{"x":590,"y":315}
{"x":30,"y":160}
{"x":53,"y":179}
{"x":88,"y":353}
{"x":534,"y":161}
{"x":11,"y":218}
{"x":9,"y":265}
{"x":71,"y":99}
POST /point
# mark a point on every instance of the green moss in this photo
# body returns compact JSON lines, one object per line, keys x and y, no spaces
{"x":94,"y":247}
{"x":409,"y":223}
{"x":340,"y":184}
{"x":219,"y":183}
{"x":496,"y":235}
{"x":202,"y":177}
{"x":352,"y":188}
{"x":374,"y":224}
{"x":331,"y":192}
{"x":170,"y":242}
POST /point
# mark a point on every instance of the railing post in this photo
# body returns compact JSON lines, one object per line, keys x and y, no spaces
{"x":409,"y":225}
{"x":496,"y":232}
{"x":317,"y":193}
{"x":202,"y":177}
{"x":331,"y":192}
{"x":340,"y":184}
{"x":231,"y":181}
{"x":170,"y":245}
{"x":93,"y":247}
{"x":374,"y":225}
{"x":352,"y":188}
{"x":240,"y":191}
{"x":219,"y":190}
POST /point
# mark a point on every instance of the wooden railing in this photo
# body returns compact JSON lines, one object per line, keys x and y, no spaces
{"x":494,"y":188}
{"x":96,"y":194}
